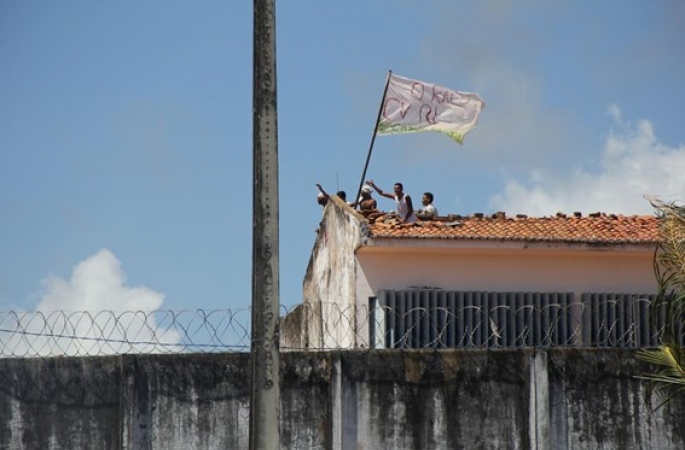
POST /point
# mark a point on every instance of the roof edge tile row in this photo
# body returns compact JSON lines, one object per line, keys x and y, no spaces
{"x":597,"y":228}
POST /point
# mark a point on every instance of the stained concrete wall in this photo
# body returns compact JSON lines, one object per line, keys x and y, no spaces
{"x":329,"y":283}
{"x":60,"y":403}
{"x":452,"y":399}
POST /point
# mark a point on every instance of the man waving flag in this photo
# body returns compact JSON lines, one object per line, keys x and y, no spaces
{"x":411,"y":105}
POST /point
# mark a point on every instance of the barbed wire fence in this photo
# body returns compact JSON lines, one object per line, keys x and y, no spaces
{"x":312,"y":328}
{"x":93,"y":333}
{"x":328,"y":326}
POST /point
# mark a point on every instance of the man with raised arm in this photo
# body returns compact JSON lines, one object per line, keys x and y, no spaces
{"x":403,"y":204}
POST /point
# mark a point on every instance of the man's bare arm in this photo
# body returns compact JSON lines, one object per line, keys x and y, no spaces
{"x":410,"y":207}
{"x":379,"y":190}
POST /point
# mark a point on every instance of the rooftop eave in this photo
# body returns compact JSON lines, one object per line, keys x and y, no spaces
{"x":504,"y":243}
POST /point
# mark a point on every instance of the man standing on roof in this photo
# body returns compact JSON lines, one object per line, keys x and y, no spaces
{"x":429,"y":210}
{"x":323,"y":197}
{"x":403,"y":205}
{"x":367,"y":204}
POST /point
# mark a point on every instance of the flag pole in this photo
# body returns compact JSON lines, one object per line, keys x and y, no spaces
{"x":373,"y":139}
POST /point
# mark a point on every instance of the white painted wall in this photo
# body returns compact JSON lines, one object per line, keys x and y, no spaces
{"x":551,"y":269}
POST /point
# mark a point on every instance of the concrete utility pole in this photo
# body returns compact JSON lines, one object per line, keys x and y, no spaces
{"x":265,"y":390}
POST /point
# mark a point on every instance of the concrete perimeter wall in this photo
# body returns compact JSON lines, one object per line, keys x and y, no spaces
{"x":451,"y":399}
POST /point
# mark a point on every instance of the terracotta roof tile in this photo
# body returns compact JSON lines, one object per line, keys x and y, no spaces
{"x":597,"y":228}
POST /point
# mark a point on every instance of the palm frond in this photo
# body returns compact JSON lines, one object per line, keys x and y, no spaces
{"x":669,"y":270}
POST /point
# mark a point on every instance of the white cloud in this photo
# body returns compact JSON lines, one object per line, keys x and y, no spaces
{"x":97,"y":283}
{"x":92,"y":313}
{"x":632,"y":164}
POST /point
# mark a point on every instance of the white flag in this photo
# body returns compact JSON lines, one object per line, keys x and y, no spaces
{"x":411,"y":105}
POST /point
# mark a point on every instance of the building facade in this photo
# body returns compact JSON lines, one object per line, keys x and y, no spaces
{"x":484,"y":281}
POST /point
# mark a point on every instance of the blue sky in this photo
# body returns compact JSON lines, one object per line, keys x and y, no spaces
{"x":126,"y":130}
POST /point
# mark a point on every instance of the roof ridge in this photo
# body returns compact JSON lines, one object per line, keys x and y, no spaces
{"x":558,"y":215}
{"x":595,"y":228}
